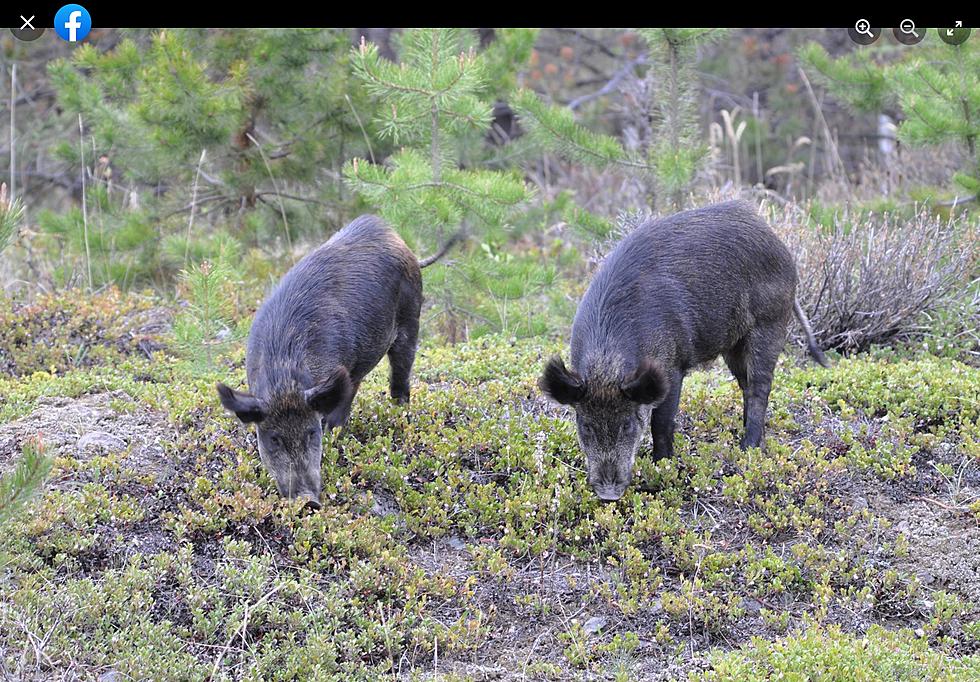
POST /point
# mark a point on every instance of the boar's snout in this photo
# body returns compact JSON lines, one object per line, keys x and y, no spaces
{"x":609,"y":493}
{"x":299,"y":487}
{"x":609,"y":481}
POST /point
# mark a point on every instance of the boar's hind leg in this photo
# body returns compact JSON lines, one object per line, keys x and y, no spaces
{"x":738,"y":364}
{"x":762,"y":349}
{"x":662,"y":419}
{"x":401,"y":356}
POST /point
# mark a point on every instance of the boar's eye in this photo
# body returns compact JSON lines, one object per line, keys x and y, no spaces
{"x":311,"y":435}
{"x":275,"y":440}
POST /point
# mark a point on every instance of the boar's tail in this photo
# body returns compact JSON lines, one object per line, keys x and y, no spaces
{"x":811,"y":343}
{"x":426,"y":262}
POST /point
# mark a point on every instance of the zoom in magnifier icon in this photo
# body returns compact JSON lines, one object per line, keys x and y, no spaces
{"x":907,"y":34}
{"x":863,"y":33}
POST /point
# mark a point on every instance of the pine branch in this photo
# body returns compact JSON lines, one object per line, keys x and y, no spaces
{"x":11,"y":215}
{"x":18,"y":487}
{"x":555,"y":129}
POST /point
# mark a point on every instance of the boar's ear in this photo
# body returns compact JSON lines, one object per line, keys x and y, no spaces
{"x":246,"y":406}
{"x":560,"y":383}
{"x":333,"y":391}
{"x":648,"y":385}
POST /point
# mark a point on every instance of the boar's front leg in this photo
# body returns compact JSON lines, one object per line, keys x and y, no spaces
{"x":662,"y":418}
{"x":340,"y":414}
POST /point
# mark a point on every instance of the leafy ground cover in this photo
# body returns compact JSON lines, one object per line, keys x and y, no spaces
{"x":458,"y":539}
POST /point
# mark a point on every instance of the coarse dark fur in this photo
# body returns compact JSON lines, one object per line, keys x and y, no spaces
{"x":673,"y":294}
{"x":328,"y":323}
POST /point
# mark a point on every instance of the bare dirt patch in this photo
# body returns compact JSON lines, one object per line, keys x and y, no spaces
{"x":97,"y":424}
{"x":943,"y":534}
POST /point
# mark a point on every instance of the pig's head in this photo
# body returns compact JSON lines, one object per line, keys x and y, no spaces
{"x":289,"y":428}
{"x":611,"y":417}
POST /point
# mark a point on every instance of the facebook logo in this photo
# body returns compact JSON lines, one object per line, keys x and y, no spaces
{"x":72,"y":23}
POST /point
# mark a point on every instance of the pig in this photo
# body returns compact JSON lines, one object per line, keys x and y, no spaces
{"x":674,"y":293}
{"x":328,"y":323}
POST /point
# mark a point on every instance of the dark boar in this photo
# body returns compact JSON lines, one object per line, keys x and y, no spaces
{"x":675,"y":293}
{"x":327,"y":324}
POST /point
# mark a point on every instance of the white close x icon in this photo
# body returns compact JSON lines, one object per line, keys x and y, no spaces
{"x":27,"y":23}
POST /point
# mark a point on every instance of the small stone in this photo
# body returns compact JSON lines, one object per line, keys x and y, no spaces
{"x":457,"y":544}
{"x":752,"y":606}
{"x":594,"y":624}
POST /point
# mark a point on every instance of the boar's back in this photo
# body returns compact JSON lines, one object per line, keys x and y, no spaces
{"x":696,"y":281}
{"x":339,"y":304}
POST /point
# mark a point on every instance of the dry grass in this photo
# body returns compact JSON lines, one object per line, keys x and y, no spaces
{"x":869,"y":279}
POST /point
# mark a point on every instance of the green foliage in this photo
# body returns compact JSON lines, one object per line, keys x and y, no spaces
{"x":410,"y":197}
{"x":670,"y":153}
{"x":674,"y":149}
{"x":830,"y":654}
{"x":857,"y":78}
{"x":509,"y":50}
{"x":431,"y":100}
{"x":199,"y":132}
{"x":64,"y":331}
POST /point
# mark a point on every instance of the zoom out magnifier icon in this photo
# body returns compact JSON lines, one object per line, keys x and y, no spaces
{"x":907,"y":33}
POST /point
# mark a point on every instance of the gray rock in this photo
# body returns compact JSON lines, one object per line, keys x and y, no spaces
{"x":594,"y":624}
{"x":100,"y":440}
{"x":752,"y":606}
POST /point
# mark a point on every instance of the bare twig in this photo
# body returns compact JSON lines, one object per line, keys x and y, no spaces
{"x":190,"y":220}
{"x":13,"y":149}
{"x":613,"y":83}
{"x":240,"y":632}
{"x":81,"y":152}
{"x":367,"y":140}
{"x":275,"y":185}
{"x":956,"y":201}
{"x":839,"y":164}
{"x":960,"y":509}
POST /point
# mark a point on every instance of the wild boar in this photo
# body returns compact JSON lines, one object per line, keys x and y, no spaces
{"x":328,"y":323}
{"x":673,"y":294}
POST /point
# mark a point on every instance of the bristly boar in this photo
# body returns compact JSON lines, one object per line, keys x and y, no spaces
{"x":673,"y":294}
{"x":328,"y":323}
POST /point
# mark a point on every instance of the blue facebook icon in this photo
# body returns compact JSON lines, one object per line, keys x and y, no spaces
{"x":72,"y":23}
